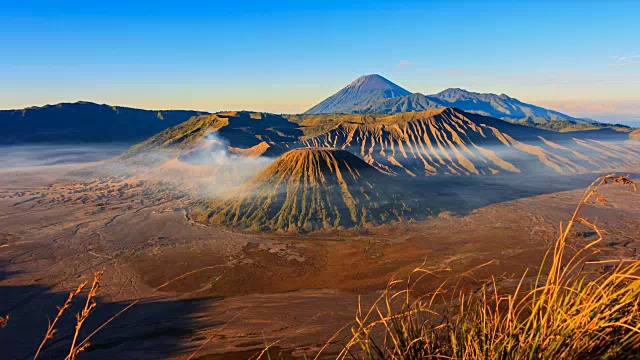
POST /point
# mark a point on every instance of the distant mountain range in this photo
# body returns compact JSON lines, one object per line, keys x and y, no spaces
{"x":85,"y":122}
{"x":371,"y":94}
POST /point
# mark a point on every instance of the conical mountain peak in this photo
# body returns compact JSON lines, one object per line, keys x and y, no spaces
{"x":375,"y":82}
{"x":315,"y":164}
{"x":365,"y":90}
{"x":309,"y":189}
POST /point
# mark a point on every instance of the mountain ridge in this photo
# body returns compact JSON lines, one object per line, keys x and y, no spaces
{"x":85,"y":121}
{"x":500,"y":106}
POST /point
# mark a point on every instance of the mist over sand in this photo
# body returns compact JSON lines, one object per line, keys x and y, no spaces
{"x":27,"y":155}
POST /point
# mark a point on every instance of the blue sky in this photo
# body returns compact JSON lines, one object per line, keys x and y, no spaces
{"x":582,"y":58}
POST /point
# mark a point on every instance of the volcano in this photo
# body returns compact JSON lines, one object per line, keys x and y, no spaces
{"x":365,"y":90}
{"x":310,"y":189}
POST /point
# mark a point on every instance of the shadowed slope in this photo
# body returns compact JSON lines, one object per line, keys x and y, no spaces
{"x":308,"y":189}
{"x":85,"y":122}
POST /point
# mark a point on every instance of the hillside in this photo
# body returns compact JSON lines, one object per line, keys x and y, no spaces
{"x":240,"y":132}
{"x":86,"y":122}
{"x":309,"y":189}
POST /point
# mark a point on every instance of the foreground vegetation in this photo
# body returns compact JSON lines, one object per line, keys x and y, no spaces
{"x":569,"y":312}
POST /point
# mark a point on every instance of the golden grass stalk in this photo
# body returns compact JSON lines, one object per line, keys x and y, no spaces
{"x":82,"y":316}
{"x":85,"y":342}
{"x":90,"y":304}
{"x":570,"y":312}
{"x":51,"y":329}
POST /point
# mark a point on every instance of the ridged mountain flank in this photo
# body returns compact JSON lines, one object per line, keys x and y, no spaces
{"x":363,"y":91}
{"x":454,"y":142}
{"x":309,"y":189}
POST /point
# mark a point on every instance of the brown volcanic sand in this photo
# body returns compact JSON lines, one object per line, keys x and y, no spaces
{"x":295,"y":289}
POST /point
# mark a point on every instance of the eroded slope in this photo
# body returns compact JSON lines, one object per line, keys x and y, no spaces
{"x":309,"y":189}
{"x":450,"y":141}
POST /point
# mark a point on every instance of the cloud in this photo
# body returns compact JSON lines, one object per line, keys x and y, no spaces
{"x":453,"y":72}
{"x":619,"y":61}
{"x":544,"y":79}
{"x":405,"y":63}
{"x":628,"y":63}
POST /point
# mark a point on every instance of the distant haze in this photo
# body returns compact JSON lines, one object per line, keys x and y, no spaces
{"x":26,"y":156}
{"x":626,"y":119}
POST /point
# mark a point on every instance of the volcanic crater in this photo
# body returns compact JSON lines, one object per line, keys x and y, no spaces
{"x":310,"y":189}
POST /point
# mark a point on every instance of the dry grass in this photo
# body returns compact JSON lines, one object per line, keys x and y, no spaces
{"x":569,"y":311}
{"x":51,"y":329}
{"x":90,"y":304}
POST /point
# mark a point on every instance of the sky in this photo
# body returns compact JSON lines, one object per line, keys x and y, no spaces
{"x":578,"y":57}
